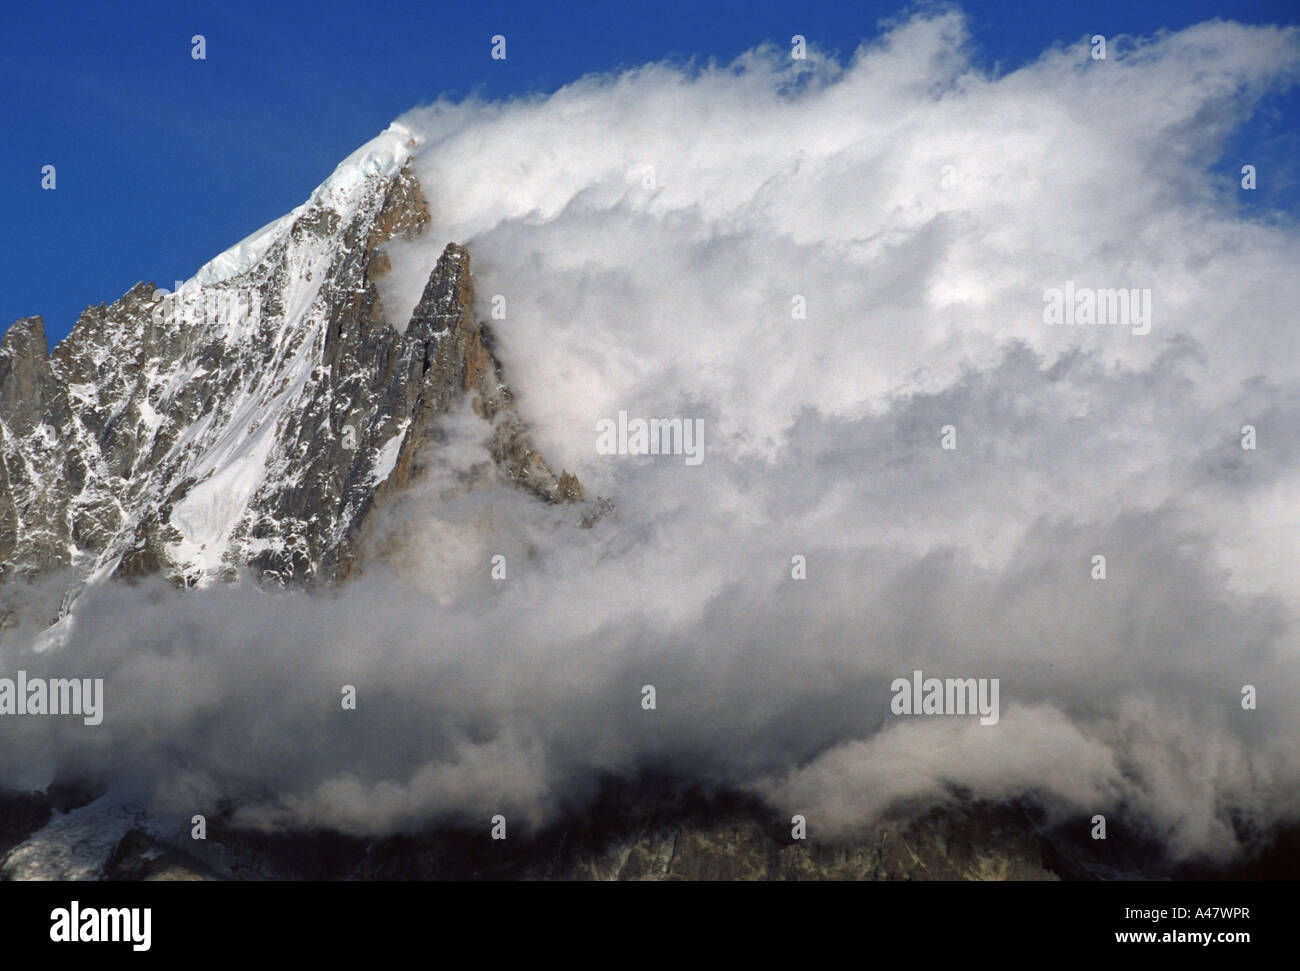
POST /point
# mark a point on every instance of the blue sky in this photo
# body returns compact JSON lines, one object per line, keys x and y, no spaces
{"x":163,"y":161}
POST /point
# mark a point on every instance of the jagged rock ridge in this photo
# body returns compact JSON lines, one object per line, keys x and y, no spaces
{"x":690,"y":837}
{"x":256,"y":416}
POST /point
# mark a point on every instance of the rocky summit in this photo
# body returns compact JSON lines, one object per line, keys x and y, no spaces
{"x":253,"y":419}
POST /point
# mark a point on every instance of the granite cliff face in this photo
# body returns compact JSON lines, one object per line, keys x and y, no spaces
{"x":254,"y":418}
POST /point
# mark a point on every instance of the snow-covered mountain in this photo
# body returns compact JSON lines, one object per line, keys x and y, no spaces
{"x":256,"y":416}
{"x":255,"y":422}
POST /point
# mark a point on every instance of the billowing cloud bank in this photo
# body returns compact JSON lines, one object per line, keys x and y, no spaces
{"x":654,"y":237}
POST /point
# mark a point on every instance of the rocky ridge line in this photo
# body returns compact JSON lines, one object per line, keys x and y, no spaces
{"x":255,"y":418}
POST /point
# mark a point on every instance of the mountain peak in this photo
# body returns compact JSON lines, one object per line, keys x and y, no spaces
{"x":349,"y":187}
{"x":254,"y":418}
